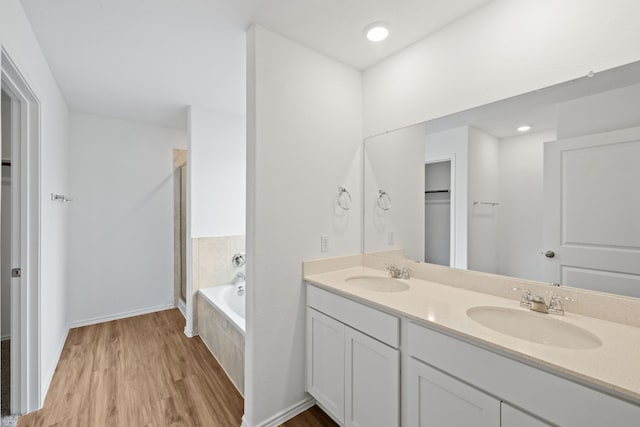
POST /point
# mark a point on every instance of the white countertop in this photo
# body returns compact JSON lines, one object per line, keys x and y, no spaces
{"x":613,"y":367}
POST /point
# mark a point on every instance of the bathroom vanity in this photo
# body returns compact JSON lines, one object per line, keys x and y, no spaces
{"x":414,"y":352}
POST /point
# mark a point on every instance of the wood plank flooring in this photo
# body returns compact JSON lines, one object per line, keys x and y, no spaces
{"x":143,"y":371}
{"x":313,"y":417}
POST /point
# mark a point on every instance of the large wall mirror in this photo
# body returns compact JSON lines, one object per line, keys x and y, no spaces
{"x":543,"y":186}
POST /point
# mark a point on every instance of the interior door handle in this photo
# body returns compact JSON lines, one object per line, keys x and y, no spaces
{"x":549,"y":254}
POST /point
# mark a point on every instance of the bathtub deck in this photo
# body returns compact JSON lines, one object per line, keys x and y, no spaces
{"x":143,"y":371}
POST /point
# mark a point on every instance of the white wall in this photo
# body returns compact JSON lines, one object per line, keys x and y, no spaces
{"x":483,"y":187}
{"x":5,"y":210}
{"x":521,"y":207}
{"x":304,"y":140}
{"x":217,"y":167}
{"x":603,"y":112}
{"x":121,"y":242}
{"x":454,"y":144}
{"x":394,"y":163}
{"x":18,"y":39}
{"x":505,"y":48}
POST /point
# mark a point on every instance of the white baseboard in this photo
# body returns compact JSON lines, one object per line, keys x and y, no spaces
{"x":5,"y":337}
{"x":102,"y":319}
{"x":190,"y":333}
{"x":285,"y":415}
{"x":47,"y":380}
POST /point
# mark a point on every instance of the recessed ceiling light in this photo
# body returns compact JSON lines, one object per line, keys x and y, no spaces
{"x":524,"y":128}
{"x":377,"y":31}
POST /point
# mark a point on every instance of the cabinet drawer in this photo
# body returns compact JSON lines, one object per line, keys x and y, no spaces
{"x":381,"y":326}
{"x":561,"y":401}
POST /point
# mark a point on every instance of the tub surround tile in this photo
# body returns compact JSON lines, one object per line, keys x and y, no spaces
{"x":211,"y":264}
{"x":195,"y":261}
{"x":212,"y":260}
{"x":223,"y":340}
{"x":179,"y":158}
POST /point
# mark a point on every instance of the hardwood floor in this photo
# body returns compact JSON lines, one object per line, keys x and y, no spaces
{"x":143,"y":371}
{"x":313,"y":417}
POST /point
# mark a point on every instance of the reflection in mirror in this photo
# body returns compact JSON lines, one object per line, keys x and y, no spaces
{"x":558,"y":203}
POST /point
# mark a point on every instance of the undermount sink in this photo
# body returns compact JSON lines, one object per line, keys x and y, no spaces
{"x":534,"y":327}
{"x":377,"y":283}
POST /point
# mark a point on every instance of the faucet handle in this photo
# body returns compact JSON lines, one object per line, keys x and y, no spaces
{"x":555,"y":304}
{"x":406,"y":272}
{"x":525,"y":298}
{"x":240,"y":277}
{"x":394,"y":271}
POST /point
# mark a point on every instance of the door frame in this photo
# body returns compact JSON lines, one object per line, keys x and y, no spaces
{"x":452,"y":211}
{"x":26,"y":393}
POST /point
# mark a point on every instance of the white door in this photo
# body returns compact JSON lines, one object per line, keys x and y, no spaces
{"x":592,"y":211}
{"x":372,"y":381}
{"x":512,"y":417}
{"x":438,"y":400}
{"x":325,"y":362}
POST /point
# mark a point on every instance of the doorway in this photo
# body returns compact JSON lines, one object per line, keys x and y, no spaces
{"x":437,"y":212}
{"x":21,"y":108}
{"x":5,"y":255}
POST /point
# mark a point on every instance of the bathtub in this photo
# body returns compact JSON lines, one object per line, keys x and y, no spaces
{"x":220,"y":324}
{"x":226,"y":299}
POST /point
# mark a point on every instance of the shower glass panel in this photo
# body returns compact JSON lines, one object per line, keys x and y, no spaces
{"x":180,"y":228}
{"x":183,"y":232}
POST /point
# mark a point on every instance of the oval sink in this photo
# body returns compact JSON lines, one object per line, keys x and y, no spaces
{"x":377,"y":283}
{"x":534,"y":327}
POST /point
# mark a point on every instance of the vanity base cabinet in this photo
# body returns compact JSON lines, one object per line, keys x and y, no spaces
{"x":325,"y":362}
{"x":551,"y":397}
{"x":372,"y":383}
{"x":438,"y":400}
{"x":354,"y":377}
{"x":512,"y":417}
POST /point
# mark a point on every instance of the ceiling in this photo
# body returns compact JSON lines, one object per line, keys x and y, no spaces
{"x":147,"y":60}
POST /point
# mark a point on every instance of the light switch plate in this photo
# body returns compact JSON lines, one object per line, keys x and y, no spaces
{"x":324,"y":243}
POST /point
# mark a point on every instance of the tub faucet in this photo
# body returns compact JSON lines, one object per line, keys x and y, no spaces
{"x":239,"y":281}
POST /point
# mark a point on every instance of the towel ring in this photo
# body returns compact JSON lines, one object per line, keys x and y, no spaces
{"x":384,"y":200}
{"x":344,"y":198}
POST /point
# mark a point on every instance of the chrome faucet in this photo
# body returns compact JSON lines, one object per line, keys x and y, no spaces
{"x":239,"y":281}
{"x":405,"y":273}
{"x":537,"y":303}
{"x":399,"y":273}
{"x":394,"y":271}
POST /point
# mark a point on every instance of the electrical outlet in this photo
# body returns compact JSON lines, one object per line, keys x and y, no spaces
{"x":324,"y":243}
{"x":390,"y":238}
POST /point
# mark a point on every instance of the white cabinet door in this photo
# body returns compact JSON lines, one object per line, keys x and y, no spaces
{"x":438,"y":400}
{"x":372,"y":380}
{"x":325,"y":362}
{"x":512,"y":417}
